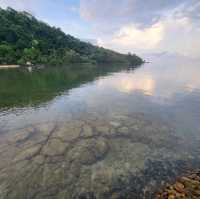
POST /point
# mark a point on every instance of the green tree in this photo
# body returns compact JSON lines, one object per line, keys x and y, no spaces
{"x":30,"y":55}
{"x":28,"y":39}
{"x":7,"y":55}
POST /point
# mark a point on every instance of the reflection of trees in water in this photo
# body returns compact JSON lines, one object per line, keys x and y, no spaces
{"x":19,"y":87}
{"x":87,"y":158}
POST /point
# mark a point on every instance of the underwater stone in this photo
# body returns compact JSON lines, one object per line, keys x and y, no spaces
{"x":87,"y":131}
{"x":89,"y":151}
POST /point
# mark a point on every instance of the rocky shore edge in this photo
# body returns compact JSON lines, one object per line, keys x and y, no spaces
{"x":185,"y":187}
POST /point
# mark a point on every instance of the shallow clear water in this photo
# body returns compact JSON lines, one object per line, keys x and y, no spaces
{"x":121,"y":134}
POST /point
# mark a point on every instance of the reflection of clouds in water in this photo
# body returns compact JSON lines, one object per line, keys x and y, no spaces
{"x":162,"y":80}
{"x":194,"y":81}
{"x":129,"y":82}
{"x":177,"y":77}
{"x":143,"y":83}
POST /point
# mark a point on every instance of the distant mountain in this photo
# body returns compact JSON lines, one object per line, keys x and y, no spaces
{"x":24,"y":39}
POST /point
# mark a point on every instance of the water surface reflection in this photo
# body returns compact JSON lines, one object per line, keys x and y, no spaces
{"x":120,"y":136}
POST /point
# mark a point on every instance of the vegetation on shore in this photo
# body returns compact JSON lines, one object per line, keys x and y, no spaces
{"x":24,"y":39}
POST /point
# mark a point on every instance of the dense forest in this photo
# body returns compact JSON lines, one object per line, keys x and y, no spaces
{"x":24,"y":39}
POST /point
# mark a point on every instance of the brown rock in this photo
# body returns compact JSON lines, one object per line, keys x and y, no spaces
{"x":171,"y":197}
{"x":179,"y":187}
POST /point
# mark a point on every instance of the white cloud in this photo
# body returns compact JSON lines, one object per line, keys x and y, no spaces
{"x":117,"y":12}
{"x":176,"y":35}
{"x":139,"y":26}
{"x":142,"y":26}
{"x":181,"y":36}
{"x":148,"y":38}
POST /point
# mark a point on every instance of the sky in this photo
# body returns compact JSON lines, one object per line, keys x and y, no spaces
{"x":137,"y":26}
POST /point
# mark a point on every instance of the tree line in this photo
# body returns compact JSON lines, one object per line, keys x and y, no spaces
{"x":25,"y":39}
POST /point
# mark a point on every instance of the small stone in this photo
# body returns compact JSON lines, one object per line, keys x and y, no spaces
{"x":21,"y":136}
{"x":123,"y":130}
{"x":103,"y":129}
{"x":89,"y":151}
{"x":67,"y":132}
{"x":135,"y":127}
{"x":87,"y":131}
{"x":179,"y":187}
{"x":45,"y":128}
{"x":171,"y":197}
{"x":39,"y":159}
{"x":115,"y":124}
{"x":115,"y":196}
{"x":54,"y":147}
{"x":27,"y":153}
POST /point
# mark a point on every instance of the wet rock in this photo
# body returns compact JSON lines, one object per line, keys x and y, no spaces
{"x":115,"y":124}
{"x":21,"y":135}
{"x":39,"y":159}
{"x":29,"y":153}
{"x":135,"y":127}
{"x":68,"y":131}
{"x":89,"y":151}
{"x":54,"y":147}
{"x":179,"y":187}
{"x":87,"y":131}
{"x":103,"y":129}
{"x":186,"y":187}
{"x":45,"y":128}
{"x":123,"y":130}
{"x":124,"y":157}
{"x":101,"y":180}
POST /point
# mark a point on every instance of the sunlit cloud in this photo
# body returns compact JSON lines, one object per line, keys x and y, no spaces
{"x":130,"y":37}
{"x":142,"y":27}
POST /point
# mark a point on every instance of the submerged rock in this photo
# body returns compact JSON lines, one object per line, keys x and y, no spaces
{"x":185,"y":187}
{"x":87,"y":131}
{"x":89,"y":151}
{"x":54,"y":147}
{"x":68,"y":131}
{"x":118,"y":157}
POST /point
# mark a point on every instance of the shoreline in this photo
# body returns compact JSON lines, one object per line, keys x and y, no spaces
{"x":9,"y":66}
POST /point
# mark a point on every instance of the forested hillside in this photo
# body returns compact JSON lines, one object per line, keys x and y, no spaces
{"x":25,"y":39}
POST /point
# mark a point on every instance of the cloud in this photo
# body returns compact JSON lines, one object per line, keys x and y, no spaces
{"x":181,"y":36}
{"x":191,"y":10}
{"x":130,"y":37}
{"x":142,"y":26}
{"x":173,"y":35}
{"x":116,"y":12}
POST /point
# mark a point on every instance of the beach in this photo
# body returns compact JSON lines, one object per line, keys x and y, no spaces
{"x":9,"y":66}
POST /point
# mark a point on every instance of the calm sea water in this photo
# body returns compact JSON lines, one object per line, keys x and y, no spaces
{"x":103,"y":134}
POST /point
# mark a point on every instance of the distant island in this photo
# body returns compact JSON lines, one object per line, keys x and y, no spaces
{"x":24,"y":40}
